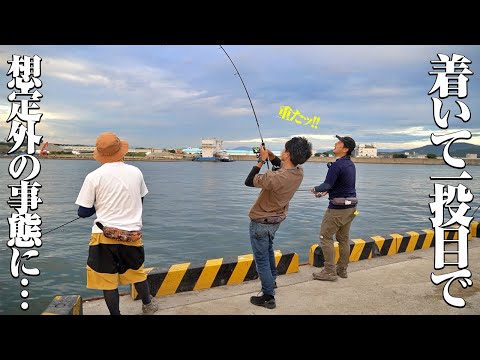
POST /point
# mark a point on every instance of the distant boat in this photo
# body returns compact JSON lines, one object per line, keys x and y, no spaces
{"x":226,"y":159}
{"x":212,"y":151}
{"x":201,"y":158}
{"x":213,"y":158}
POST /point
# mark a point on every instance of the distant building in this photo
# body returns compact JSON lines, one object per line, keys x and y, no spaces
{"x":366,"y":150}
{"x":78,"y":148}
{"x":471,"y":156}
{"x":191,"y":150}
{"x":213,"y":147}
{"x":90,"y":149}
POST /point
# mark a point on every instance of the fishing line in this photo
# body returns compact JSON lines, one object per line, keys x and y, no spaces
{"x":251,"y":104}
{"x":475,"y":210}
{"x":58,"y":227}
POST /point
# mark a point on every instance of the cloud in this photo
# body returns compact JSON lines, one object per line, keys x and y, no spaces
{"x":165,"y":95}
{"x":377,"y":91}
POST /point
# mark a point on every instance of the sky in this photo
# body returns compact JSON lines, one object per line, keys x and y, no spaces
{"x":173,"y":96}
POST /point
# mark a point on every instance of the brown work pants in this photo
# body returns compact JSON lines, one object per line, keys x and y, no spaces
{"x":336,"y":222}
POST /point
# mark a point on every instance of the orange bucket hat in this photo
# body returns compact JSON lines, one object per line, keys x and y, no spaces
{"x":109,"y":148}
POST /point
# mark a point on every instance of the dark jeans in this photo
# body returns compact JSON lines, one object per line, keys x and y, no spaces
{"x":261,"y":237}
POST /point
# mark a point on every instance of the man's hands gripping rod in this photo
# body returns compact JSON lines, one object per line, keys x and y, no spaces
{"x":263,"y":154}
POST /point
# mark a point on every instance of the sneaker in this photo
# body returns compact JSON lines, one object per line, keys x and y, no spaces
{"x":151,"y":307}
{"x":325,"y":276}
{"x":267,"y":301}
{"x":342,"y":273}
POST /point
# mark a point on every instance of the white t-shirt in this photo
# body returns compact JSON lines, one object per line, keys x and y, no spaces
{"x":116,"y":189}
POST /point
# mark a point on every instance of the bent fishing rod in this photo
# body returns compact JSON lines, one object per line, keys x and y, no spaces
{"x":251,"y":104}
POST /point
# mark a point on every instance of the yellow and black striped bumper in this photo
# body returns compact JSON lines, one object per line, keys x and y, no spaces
{"x":216,"y":272}
{"x":374,"y":246}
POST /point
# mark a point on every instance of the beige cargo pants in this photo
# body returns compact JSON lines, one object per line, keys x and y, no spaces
{"x":336,"y":222}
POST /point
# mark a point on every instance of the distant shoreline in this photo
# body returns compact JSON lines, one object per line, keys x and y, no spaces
{"x":415,"y":161}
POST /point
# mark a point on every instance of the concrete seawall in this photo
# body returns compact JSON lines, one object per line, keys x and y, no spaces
{"x":65,"y":305}
{"x":375,"y":246}
{"x":184,"y":278}
{"x":389,"y":285}
{"x":212,"y":273}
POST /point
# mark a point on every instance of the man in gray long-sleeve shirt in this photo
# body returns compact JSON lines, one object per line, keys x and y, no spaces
{"x":340,"y":186}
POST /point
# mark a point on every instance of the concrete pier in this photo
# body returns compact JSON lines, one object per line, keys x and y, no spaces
{"x":389,"y":285}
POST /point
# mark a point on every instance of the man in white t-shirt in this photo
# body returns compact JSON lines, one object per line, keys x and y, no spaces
{"x":114,"y":192}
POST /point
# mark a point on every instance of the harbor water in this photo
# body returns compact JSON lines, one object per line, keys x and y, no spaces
{"x":196,"y":211}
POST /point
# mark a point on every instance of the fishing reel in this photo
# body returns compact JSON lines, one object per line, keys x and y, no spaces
{"x":256,"y":151}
